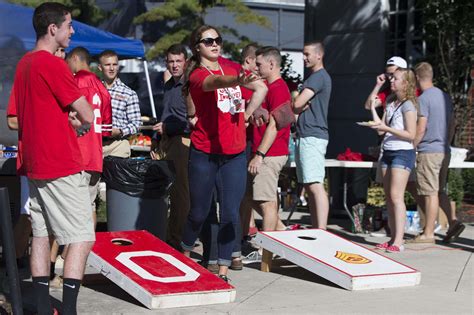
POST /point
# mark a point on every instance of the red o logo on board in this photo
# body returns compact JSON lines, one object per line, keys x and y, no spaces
{"x":189,"y":273}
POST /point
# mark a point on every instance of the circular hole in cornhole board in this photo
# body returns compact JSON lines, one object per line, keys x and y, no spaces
{"x":121,"y":242}
{"x":307,"y":238}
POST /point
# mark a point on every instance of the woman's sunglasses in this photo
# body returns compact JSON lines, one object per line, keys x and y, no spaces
{"x":208,"y":42}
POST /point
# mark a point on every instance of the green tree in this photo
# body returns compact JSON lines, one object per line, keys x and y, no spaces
{"x":448,"y":31}
{"x":185,"y":15}
{"x":85,"y":11}
{"x":291,"y":77}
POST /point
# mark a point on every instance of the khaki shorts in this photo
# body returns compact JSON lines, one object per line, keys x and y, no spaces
{"x":94,"y":180}
{"x":118,"y":148}
{"x":431,"y":173}
{"x":265,"y":183}
{"x":61,"y":207}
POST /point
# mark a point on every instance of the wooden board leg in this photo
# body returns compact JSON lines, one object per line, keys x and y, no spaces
{"x":267,"y":257}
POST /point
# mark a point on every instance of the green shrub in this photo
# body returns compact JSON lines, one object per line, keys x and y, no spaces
{"x":468,"y":178}
{"x":455,"y":186}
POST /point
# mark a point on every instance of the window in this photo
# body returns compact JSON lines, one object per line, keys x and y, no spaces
{"x":404,"y":31}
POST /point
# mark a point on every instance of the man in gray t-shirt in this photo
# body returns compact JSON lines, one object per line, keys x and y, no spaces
{"x":436,"y":108}
{"x":433,"y":136}
{"x":312,"y":132}
{"x":313,"y":122}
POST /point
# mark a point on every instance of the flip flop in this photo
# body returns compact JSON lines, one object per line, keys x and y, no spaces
{"x":419,"y":240}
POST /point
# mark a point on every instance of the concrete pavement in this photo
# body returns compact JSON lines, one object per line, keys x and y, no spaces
{"x":446,"y":286}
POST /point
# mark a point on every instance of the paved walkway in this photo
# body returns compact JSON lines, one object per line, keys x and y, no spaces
{"x":446,"y":286}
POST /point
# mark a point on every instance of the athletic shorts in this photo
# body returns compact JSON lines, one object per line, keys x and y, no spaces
{"x":310,"y":159}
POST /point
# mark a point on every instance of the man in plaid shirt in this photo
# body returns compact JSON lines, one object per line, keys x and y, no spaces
{"x":126,"y":117}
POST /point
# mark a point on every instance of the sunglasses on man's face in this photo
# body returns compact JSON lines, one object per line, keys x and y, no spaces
{"x":208,"y":42}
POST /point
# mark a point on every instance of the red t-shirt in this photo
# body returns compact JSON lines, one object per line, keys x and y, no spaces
{"x":98,"y":96}
{"x":43,"y":90}
{"x":229,"y":63}
{"x":278,"y":94}
{"x":217,"y":130}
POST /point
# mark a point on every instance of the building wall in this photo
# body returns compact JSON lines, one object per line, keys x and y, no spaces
{"x":352,"y":32}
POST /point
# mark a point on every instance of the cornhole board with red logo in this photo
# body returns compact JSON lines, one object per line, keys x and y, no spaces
{"x":336,"y":259}
{"x":154,"y":273}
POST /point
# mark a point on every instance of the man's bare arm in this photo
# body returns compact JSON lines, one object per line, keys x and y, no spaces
{"x":84,"y":110}
{"x":420,"y":130}
{"x":373,"y":95}
{"x":300,"y":103}
{"x":267,"y":141}
{"x":259,"y":92}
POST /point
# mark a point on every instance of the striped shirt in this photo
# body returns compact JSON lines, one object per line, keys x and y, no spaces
{"x":126,"y":114}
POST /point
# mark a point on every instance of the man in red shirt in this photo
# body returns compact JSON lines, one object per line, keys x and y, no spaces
{"x":381,"y":90}
{"x":96,"y":94}
{"x":270,"y":146}
{"x":51,"y":113}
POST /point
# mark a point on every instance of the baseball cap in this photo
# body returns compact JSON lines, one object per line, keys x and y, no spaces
{"x":397,"y":61}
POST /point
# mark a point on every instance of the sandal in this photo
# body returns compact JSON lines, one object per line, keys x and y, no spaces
{"x":420,"y":240}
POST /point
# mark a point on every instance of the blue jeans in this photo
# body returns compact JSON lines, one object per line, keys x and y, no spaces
{"x":209,"y":234}
{"x":227,"y":175}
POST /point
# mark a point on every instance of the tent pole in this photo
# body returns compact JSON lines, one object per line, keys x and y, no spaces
{"x":150,"y":92}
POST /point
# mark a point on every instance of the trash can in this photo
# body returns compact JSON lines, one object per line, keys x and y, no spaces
{"x":137,"y":194}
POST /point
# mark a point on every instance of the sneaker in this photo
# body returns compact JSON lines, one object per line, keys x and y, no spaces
{"x":293,"y":227}
{"x":382,"y":246}
{"x":59,"y":264}
{"x":454,"y":232}
{"x":303,"y":201}
{"x":380,"y":233}
{"x":236,"y":264}
{"x":56,"y":282}
{"x":253,"y":230}
{"x":253,"y":257}
{"x":395,"y":249}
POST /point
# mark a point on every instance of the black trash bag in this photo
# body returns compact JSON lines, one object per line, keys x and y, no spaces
{"x":145,"y":178}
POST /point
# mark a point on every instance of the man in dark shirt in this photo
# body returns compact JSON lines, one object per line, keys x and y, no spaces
{"x":173,"y":131}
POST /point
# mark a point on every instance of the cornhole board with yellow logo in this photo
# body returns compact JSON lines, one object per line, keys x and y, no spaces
{"x":336,"y":259}
{"x":154,"y":273}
